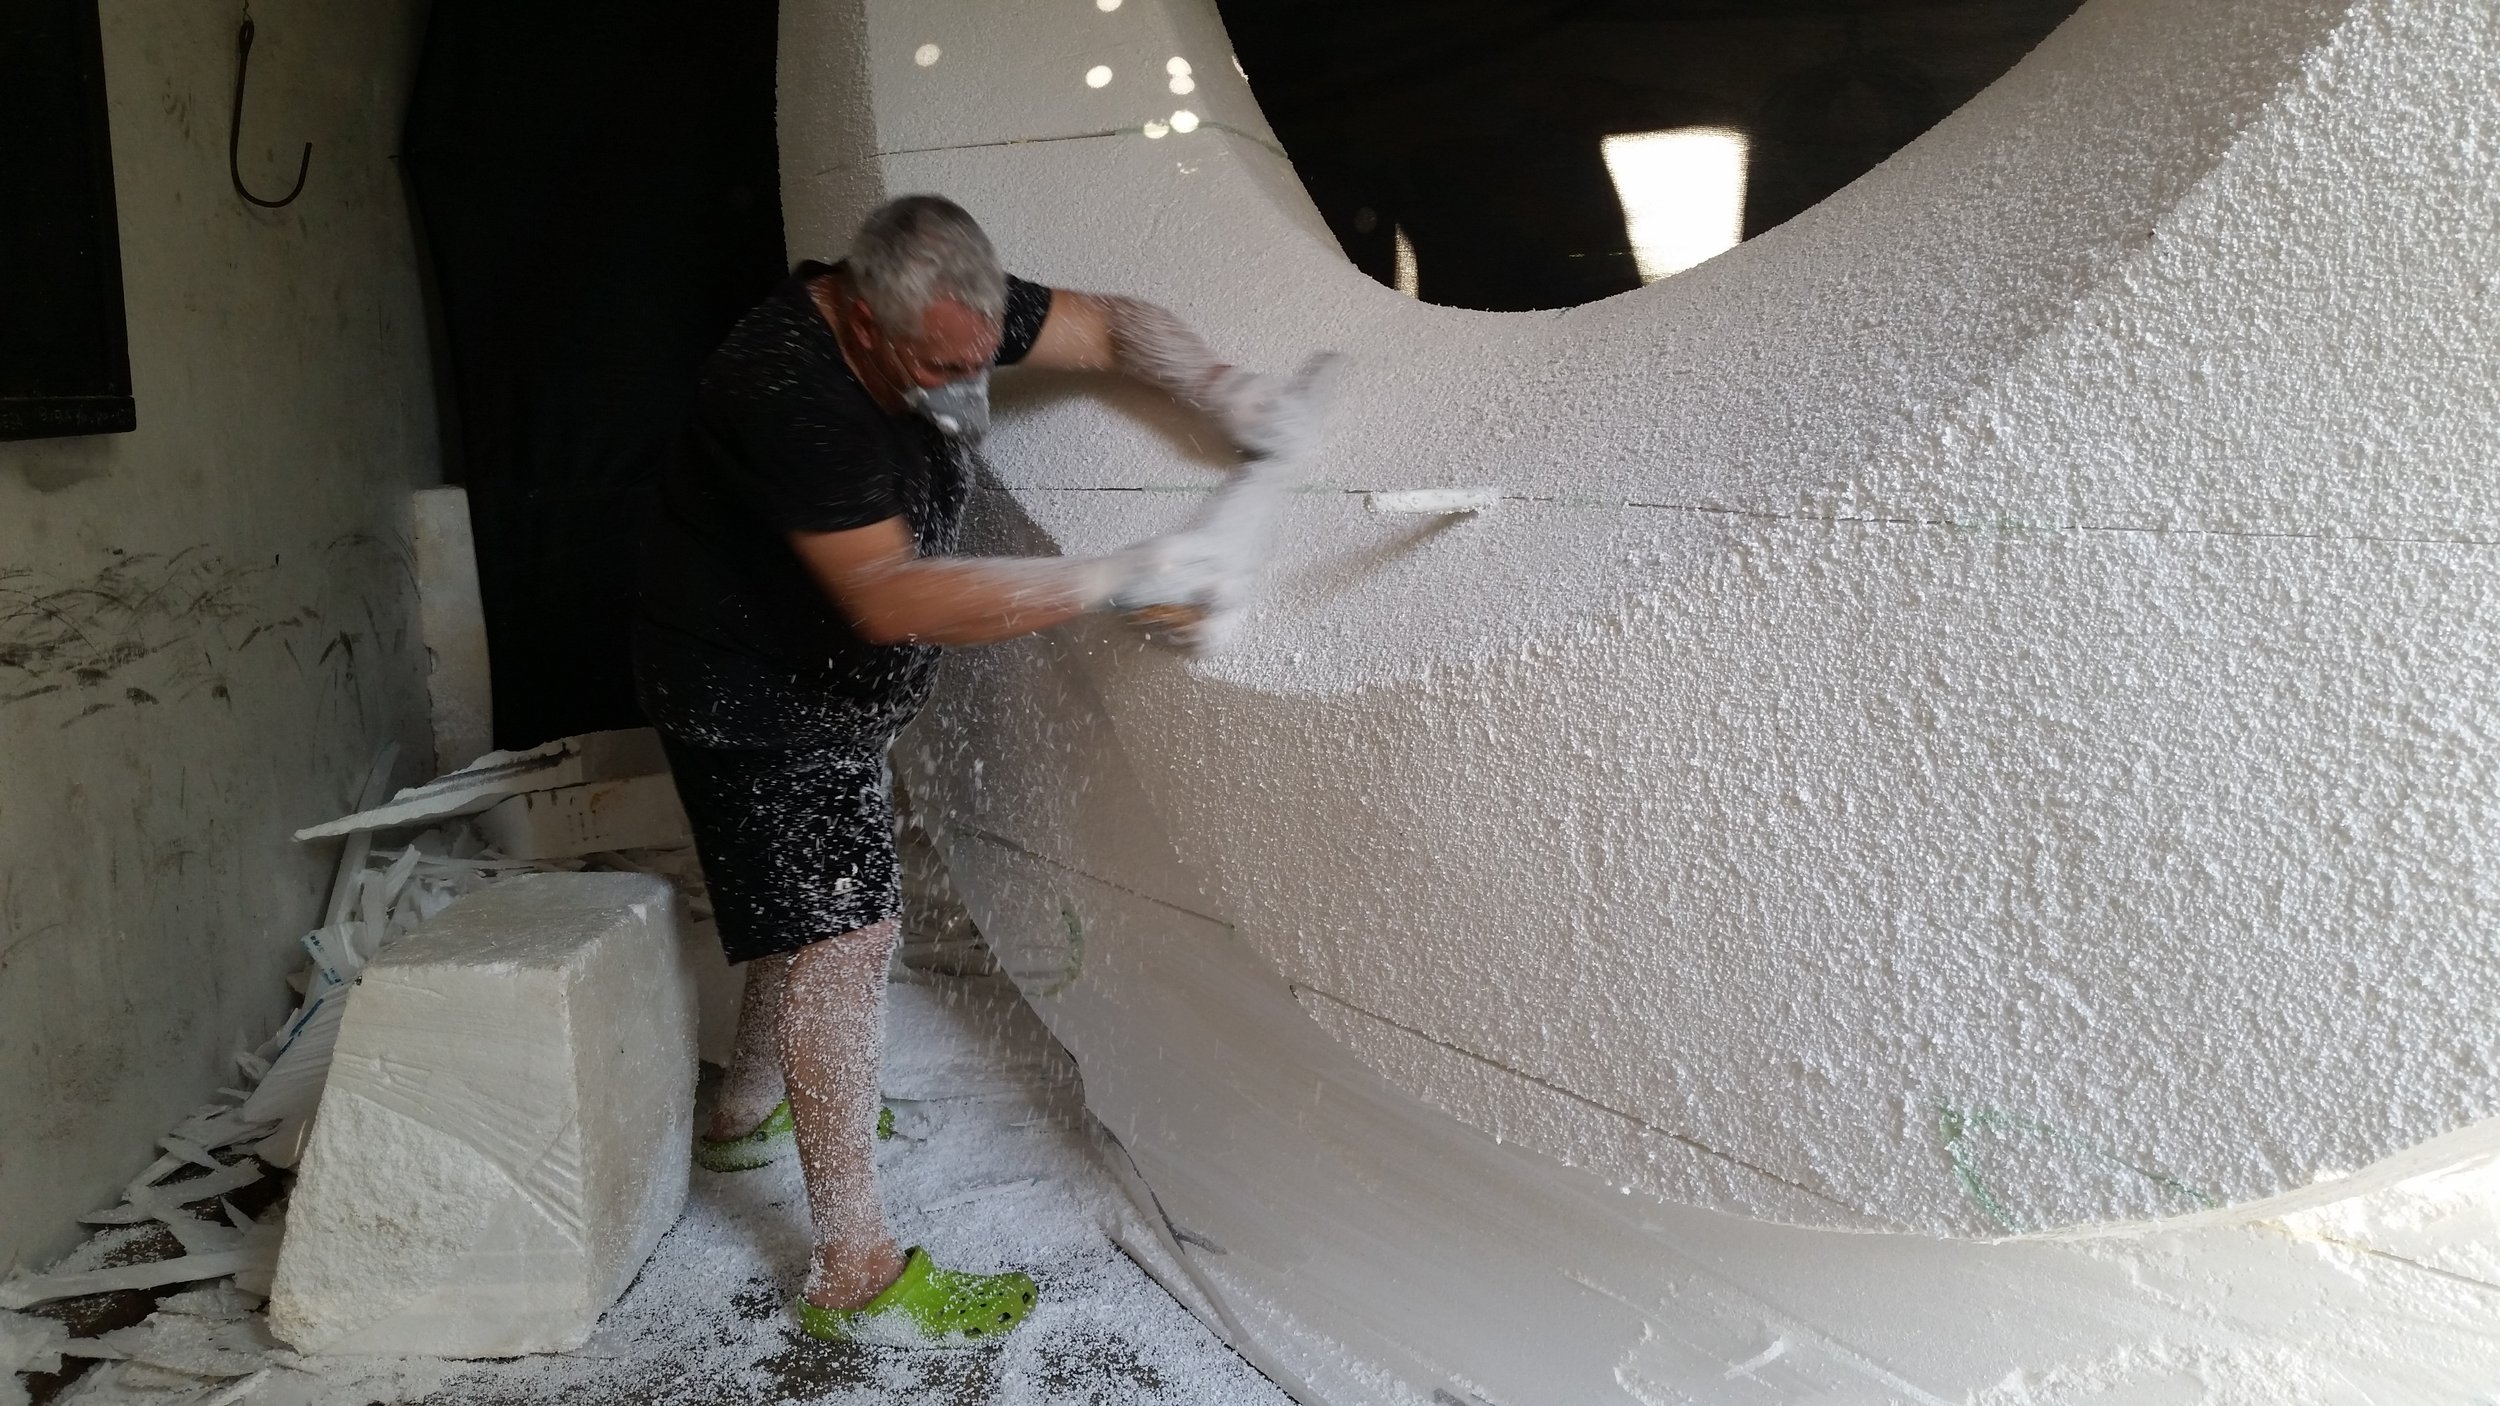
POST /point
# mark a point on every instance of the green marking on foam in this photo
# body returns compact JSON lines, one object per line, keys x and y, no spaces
{"x":1950,"y":1122}
{"x":1076,"y":950}
{"x":1956,"y":1125}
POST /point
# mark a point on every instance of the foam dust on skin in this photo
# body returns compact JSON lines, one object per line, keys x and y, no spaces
{"x":832,"y":1038}
{"x":753,"y":1085}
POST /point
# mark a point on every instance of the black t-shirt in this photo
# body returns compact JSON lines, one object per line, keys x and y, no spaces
{"x":733,"y":636}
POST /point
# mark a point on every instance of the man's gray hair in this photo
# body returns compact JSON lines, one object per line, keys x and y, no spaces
{"x":915,"y":250}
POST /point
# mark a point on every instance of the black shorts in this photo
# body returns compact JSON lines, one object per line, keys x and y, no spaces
{"x":797,"y":842}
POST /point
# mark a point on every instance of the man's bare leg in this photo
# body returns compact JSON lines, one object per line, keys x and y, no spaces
{"x":753,"y":1085}
{"x":832,"y":1037}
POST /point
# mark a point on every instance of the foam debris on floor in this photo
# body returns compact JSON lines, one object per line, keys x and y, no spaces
{"x":987,"y":1171}
{"x":204,"y":1212}
{"x":185,"y":1219}
{"x":996,"y":1164}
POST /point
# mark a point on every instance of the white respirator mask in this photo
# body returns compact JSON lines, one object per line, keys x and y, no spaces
{"x":960,"y":409}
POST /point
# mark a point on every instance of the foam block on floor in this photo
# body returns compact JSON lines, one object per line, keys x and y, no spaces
{"x":504,"y":1134}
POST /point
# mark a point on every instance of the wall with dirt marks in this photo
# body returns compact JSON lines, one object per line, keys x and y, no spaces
{"x":206,"y":626}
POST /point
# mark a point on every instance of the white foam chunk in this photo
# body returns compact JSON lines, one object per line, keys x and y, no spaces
{"x":504,"y":1134}
{"x":639,"y":812}
{"x":1435,"y":502}
{"x":459,"y":685}
{"x":567,"y":761}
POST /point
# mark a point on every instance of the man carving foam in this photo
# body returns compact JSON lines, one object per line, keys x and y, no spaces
{"x":798,"y":582}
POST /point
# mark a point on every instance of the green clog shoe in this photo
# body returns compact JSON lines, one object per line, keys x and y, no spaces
{"x":927,"y":1307}
{"x":762,"y":1147}
{"x":759,"y":1148}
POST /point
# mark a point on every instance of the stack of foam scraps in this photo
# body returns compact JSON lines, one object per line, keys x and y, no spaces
{"x":182,"y":1355}
{"x":589,"y":759}
{"x":203,"y":1347}
{"x":27,"y":1344}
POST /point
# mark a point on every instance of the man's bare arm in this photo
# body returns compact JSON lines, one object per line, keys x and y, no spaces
{"x":1109,"y":332}
{"x":1076,"y":336}
{"x":893,"y":595}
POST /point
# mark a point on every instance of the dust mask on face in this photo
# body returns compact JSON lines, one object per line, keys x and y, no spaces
{"x":961,"y":409}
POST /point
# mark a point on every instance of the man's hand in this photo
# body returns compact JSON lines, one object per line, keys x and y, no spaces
{"x":1274,"y":417}
{"x":1172,"y":586}
{"x":1192,"y":588}
{"x":1189,"y":589}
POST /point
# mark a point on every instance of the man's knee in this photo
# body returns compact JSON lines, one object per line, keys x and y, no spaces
{"x":868,"y":944}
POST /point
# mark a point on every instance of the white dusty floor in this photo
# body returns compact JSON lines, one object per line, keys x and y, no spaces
{"x":995,"y":1164}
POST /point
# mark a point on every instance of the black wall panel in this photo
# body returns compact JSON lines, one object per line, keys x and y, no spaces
{"x":598,"y":189}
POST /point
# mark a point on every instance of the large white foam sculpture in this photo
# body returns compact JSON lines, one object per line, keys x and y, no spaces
{"x":1976,"y":715}
{"x":503,"y":1136}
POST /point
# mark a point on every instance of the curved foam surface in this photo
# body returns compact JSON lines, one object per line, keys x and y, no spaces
{"x":1972,"y":715}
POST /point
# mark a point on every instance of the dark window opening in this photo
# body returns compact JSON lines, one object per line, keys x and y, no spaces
{"x":64,"y":347}
{"x":1517,"y":154}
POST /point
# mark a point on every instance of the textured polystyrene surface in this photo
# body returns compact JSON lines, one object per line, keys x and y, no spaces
{"x":1974,"y":712}
{"x":1362,"y":1248}
{"x":503,"y":1136}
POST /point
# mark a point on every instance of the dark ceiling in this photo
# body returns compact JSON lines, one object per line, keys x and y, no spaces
{"x":1473,"y":125}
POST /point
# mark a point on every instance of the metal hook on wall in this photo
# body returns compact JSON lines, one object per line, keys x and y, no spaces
{"x":234,"y":129}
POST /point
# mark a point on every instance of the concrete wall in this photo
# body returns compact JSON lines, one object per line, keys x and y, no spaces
{"x":206,"y":627}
